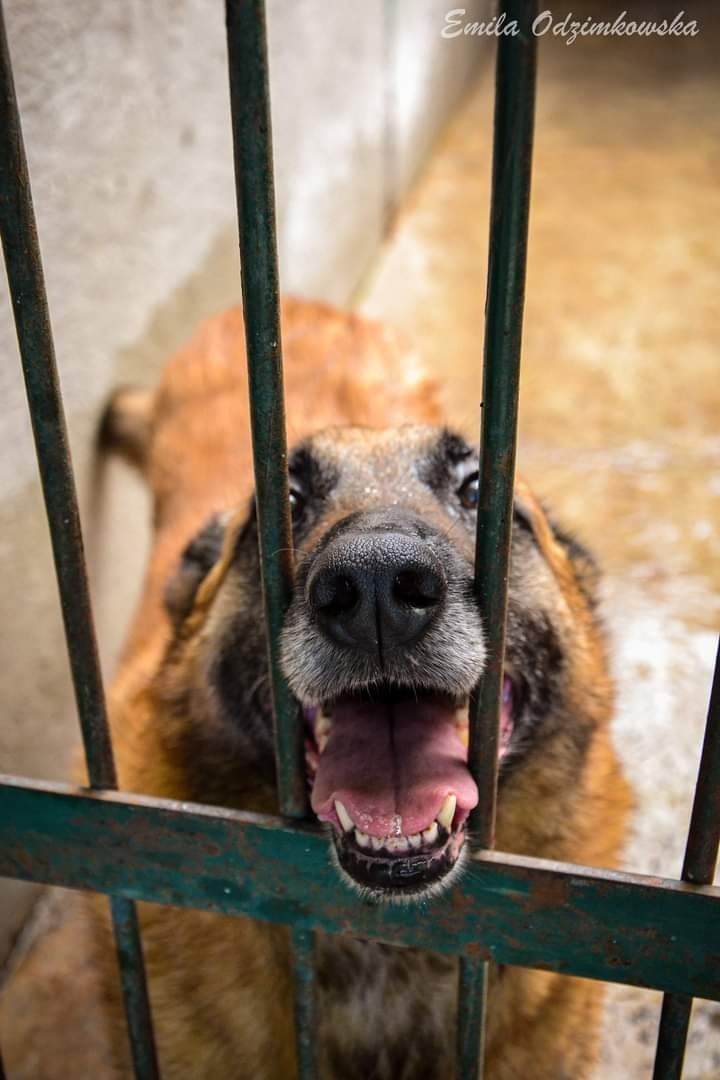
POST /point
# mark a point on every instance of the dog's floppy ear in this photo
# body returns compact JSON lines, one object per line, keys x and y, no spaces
{"x":196,"y":562}
{"x":126,"y":425}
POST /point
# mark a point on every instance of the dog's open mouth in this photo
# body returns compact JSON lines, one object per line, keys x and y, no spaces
{"x":388,"y":771}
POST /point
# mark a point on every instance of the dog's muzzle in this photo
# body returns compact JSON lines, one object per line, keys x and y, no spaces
{"x":383,"y":644}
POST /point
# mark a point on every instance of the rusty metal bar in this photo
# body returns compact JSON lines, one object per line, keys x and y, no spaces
{"x":32,"y":321}
{"x":576,"y":920}
{"x":515,"y":79}
{"x":128,"y":946}
{"x":473,"y":981}
{"x":252,"y":141}
{"x":701,"y":855}
{"x":305,"y":1011}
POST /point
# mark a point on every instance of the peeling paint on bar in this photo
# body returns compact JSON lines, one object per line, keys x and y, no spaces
{"x":600,"y":924}
{"x":305,"y":1010}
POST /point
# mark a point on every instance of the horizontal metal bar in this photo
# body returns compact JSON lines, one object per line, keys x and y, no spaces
{"x":32,"y":321}
{"x":515,"y":910}
{"x":305,"y":1011}
{"x":701,"y":854}
{"x":510,"y":202}
{"x":471,"y":1007}
{"x":252,"y":141}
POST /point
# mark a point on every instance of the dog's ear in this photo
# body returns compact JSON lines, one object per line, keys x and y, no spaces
{"x":126,"y":425}
{"x":196,"y":562}
{"x":553,"y":538}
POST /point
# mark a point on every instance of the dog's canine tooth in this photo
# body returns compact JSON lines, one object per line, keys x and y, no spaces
{"x":447,"y":812}
{"x":343,"y":817}
{"x":362,"y":838}
{"x":430,"y":835}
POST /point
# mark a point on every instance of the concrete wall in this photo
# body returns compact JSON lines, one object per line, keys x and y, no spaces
{"x":126,"y":121}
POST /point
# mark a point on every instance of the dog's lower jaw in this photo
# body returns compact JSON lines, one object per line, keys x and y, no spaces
{"x":402,"y":891}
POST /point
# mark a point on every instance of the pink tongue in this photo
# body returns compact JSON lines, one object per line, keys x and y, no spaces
{"x":392,"y":767}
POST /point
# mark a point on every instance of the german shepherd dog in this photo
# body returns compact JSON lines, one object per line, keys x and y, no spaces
{"x":382,"y":645}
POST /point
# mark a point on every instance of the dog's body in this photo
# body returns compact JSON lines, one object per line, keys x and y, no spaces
{"x":190,"y":715}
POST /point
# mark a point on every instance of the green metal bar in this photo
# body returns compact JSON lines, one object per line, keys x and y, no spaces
{"x":135,"y":995}
{"x":472,"y":1002}
{"x":672,"y":1036}
{"x":701,"y":855}
{"x":514,"y":910}
{"x":252,"y":141}
{"x":515,"y":78}
{"x":32,"y":322}
{"x":512,"y":157}
{"x":305,"y":1012}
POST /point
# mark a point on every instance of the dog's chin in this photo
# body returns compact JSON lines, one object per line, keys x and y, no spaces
{"x":388,"y":774}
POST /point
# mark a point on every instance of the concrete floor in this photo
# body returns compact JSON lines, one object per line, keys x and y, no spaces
{"x":620,"y":394}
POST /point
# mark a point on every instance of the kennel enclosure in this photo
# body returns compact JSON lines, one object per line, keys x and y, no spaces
{"x":507,"y":909}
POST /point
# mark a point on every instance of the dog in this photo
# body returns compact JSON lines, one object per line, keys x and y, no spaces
{"x":382,"y":645}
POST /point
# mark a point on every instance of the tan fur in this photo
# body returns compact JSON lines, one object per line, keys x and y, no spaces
{"x":220,"y":987}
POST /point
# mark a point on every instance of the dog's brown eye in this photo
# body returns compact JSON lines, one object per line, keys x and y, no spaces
{"x":468,"y":492}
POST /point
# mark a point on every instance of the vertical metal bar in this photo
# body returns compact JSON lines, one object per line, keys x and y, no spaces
{"x":132,"y":976}
{"x":32,"y":322}
{"x":305,"y":1021}
{"x":512,"y":159}
{"x":701,"y":855}
{"x":509,"y":211}
{"x":252,"y":142}
{"x":472,"y":999}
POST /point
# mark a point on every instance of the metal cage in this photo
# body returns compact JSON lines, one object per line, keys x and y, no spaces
{"x":618,"y":927}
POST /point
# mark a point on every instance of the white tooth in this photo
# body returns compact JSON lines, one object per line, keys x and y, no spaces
{"x":343,"y":817}
{"x":377,"y":842}
{"x":415,"y":840}
{"x":430,"y":835}
{"x":396,"y":843}
{"x":323,"y":726}
{"x":322,"y":739}
{"x":362,"y":838}
{"x":447,"y":812}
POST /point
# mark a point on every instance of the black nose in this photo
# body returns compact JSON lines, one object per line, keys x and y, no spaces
{"x":376,"y":590}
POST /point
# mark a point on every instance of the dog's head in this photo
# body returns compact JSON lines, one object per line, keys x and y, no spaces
{"x":383,"y":645}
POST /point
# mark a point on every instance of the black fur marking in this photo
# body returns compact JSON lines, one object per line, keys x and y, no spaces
{"x":315,"y":478}
{"x":535,"y":654}
{"x":196,"y":562}
{"x":440,"y":468}
{"x":239,"y":673}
